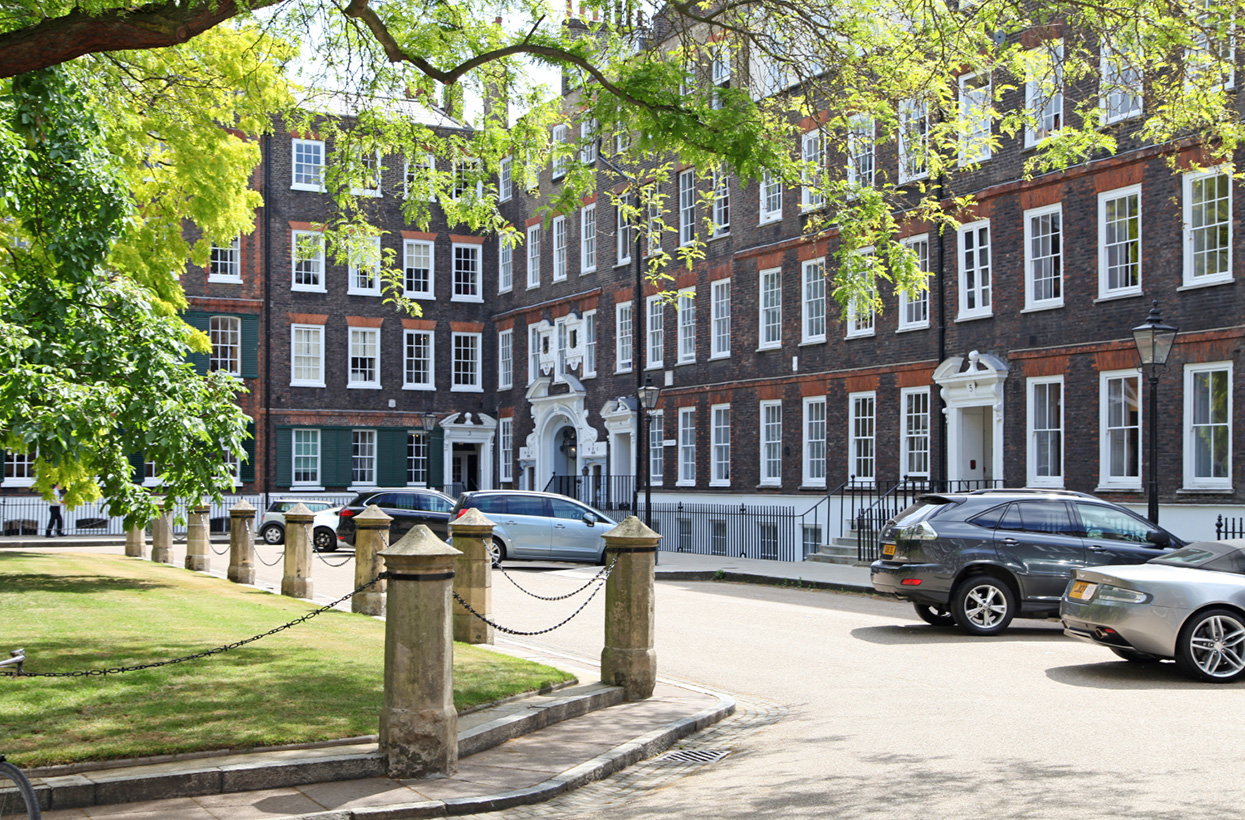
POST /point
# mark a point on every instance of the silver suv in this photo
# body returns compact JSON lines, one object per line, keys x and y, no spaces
{"x":539,"y":525}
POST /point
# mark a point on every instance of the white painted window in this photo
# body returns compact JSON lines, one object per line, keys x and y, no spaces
{"x":814,"y":441}
{"x":419,"y":177}
{"x":771,"y":198}
{"x":686,"y":309}
{"x":467,"y":179}
{"x":590,"y":344}
{"x":505,"y":264}
{"x":623,"y":232}
{"x":363,"y":457}
{"x":364,"y":360}
{"x":771,"y":443}
{"x":652,"y":227}
{"x":1119,"y":82}
{"x":505,"y":449}
{"x":861,"y":316}
{"x":559,"y":249}
{"x":307,"y":261}
{"x":1044,"y":93}
{"x":364,"y":267}
{"x":913,"y":140}
{"x":687,"y":447}
{"x":861,"y":147}
{"x":656,"y":449}
{"x":417,"y":458}
{"x":623,"y":336}
{"x":1119,"y":242}
{"x":417,"y":359}
{"x":306,"y":458}
{"x":560,"y":161}
{"x":588,"y":141}
{"x":533,"y":353}
{"x":225,"y":263}
{"x":417,"y":264}
{"x":914,"y":306}
{"x":1119,"y":410}
{"x":505,"y":181}
{"x":656,"y":337}
{"x":226,"y":335}
{"x":687,"y":206}
{"x":721,"y":202}
{"x":1044,"y":257}
{"x":306,"y":356}
{"x":588,"y":238}
{"x":19,"y":469}
{"x":976,"y":112}
{"x":770,"y":310}
{"x":814,"y":302}
{"x":533,"y":256}
{"x":562,"y":334}
{"x":308,"y":165}
{"x":975,"y":296}
{"x":370,"y":172}
{"x":720,"y":319}
{"x":1208,"y":226}
{"x":1211,"y":61}
{"x":914,"y":432}
{"x":813,"y":152}
{"x":1045,"y":431}
{"x":466,"y":363}
{"x":1208,"y":425}
{"x":505,"y":359}
{"x":720,"y":457}
{"x":862,"y":438}
{"x":466,"y":273}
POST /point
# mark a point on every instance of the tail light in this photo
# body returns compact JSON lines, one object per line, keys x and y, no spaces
{"x":345,"y":513}
{"x":461,"y":513}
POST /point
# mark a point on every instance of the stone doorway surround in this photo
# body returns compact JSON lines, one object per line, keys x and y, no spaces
{"x":473,"y":429}
{"x":551,"y":414}
{"x":972,"y":390}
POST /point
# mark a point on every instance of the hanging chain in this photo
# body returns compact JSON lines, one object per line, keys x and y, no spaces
{"x":280,"y":556}
{"x":510,"y":631}
{"x":605,"y":572}
{"x":218,"y":650}
{"x":340,"y":563}
{"x":215,"y":550}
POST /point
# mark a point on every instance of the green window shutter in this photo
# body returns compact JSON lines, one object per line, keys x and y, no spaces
{"x":250,"y":347}
{"x":199,"y":321}
{"x":247,"y":472}
{"x":391,"y":457}
{"x":436,"y":458}
{"x":138,"y":463}
{"x":336,"y":457}
{"x":285,"y":457}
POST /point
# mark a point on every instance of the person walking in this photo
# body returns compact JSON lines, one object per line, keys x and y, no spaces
{"x":54,"y":513}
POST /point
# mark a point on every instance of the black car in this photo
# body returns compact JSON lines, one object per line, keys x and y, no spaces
{"x":980,"y":559}
{"x":407,"y":506}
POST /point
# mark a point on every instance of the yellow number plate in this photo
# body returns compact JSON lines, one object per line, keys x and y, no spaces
{"x":1082,"y":591}
{"x":888,"y":550}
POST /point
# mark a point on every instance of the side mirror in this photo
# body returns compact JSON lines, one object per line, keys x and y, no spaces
{"x":1159,"y":538}
{"x":590,"y":519}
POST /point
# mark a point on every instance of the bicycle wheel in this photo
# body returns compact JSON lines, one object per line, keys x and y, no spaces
{"x":17,"y":796}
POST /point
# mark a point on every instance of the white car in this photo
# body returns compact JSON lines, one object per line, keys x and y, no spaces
{"x":323,"y":526}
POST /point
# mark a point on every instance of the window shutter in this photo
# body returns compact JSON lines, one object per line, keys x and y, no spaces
{"x":436,"y":458}
{"x":247,"y":472}
{"x":199,"y":321}
{"x":391,"y":457}
{"x":250,"y":347}
{"x":285,"y":457}
{"x":338,"y":456}
{"x":138,"y":462}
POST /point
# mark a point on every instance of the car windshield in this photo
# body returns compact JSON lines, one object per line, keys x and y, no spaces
{"x":1212,"y":556}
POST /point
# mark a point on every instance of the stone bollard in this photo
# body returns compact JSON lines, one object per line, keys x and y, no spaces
{"x":136,"y":542}
{"x":628,"y":659}
{"x":241,"y":542}
{"x":473,"y":576}
{"x":296,"y":577}
{"x":162,"y":534}
{"x":371,"y":536}
{"x":418,"y":723}
{"x":197,"y":539}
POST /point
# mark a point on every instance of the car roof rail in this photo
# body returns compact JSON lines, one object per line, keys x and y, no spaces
{"x":1030,"y":491}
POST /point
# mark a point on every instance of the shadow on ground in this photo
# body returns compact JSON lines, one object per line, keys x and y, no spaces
{"x":904,"y":634}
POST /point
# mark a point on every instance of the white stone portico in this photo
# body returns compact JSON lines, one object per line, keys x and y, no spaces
{"x":972,"y":390}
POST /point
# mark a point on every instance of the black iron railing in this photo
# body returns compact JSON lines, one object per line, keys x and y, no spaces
{"x":1229,"y":527}
{"x":608,"y":493}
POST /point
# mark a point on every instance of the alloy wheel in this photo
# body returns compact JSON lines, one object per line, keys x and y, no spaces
{"x":1217,"y":646}
{"x":985,"y":606}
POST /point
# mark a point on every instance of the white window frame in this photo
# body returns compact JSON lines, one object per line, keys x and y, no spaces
{"x":587,"y":239}
{"x":589,"y":368}
{"x":225,"y":333}
{"x":813,"y":304}
{"x":226,"y":258}
{"x":26,"y":463}
{"x":296,"y":166}
{"x":720,"y":319}
{"x":505,"y":180}
{"x":1105,"y":291}
{"x":559,"y":163}
{"x":856,"y":441}
{"x":685,"y":332}
{"x":770,"y":447}
{"x":360,"y":442}
{"x":373,"y":191}
{"x":654,"y":332}
{"x":623,"y":244}
{"x":721,"y":203}
{"x":588,"y":142}
{"x":913,"y":164}
{"x":1107,"y":480}
{"x":656,"y":451}
{"x":983,"y":286}
{"x":813,"y":153}
{"x":294,"y":456}
{"x":1120,"y":84}
{"x":318,"y":331}
{"x":1044,"y":111}
{"x":858,"y":325}
{"x":533,"y":256}
{"x":687,"y":447}
{"x":907,"y":304}
{"x":533,"y":353}
{"x":769,"y":204}
{"x":561,"y":349}
{"x":624,"y":340}
{"x":1191,"y":480}
{"x":361,"y":335}
{"x":505,"y":264}
{"x":477,"y":343}
{"x":355,"y":273}
{"x":429,"y":337}
{"x":1190,"y":279}
{"x":477,"y":295}
{"x":974,"y":144}
{"x":505,"y":359}
{"x":416,"y":452}
{"x":769,"y":316}
{"x":914,"y":427}
{"x":295,"y":242}
{"x":720,"y":445}
{"x":1032,"y":433}
{"x":687,"y":206}
{"x":409,"y":248}
{"x":426,"y":161}
{"x":560,"y":255}
{"x":460,"y":173}
{"x":1032,"y":302}
{"x":861,"y":151}
{"x":814,"y":422}
{"x":505,"y":449}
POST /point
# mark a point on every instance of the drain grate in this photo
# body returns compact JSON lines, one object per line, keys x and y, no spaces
{"x":692,"y":756}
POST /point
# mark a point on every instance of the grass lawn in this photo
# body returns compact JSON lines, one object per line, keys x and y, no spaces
{"x":319,"y":680}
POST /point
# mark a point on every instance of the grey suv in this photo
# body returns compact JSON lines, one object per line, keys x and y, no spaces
{"x":979,"y":559}
{"x":531,"y":524}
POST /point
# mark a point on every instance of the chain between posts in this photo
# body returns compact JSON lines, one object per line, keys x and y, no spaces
{"x":218,"y":552}
{"x":280,"y":556}
{"x":600,"y":579}
{"x":605,"y":572}
{"x":346,"y":560}
{"x":218,"y":650}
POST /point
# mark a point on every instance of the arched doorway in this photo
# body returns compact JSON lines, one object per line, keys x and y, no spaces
{"x":564,"y":458}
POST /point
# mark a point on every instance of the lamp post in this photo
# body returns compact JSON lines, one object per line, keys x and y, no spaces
{"x":429,"y":418}
{"x":648,"y":402}
{"x":1154,"y":341}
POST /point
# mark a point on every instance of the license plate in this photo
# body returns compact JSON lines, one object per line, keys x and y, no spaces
{"x":1082,"y":591}
{"x":888,"y":550}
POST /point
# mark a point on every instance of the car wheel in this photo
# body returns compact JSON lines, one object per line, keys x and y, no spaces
{"x":983,"y":605}
{"x":1133,"y":656}
{"x":325,"y":540}
{"x":497,"y":549}
{"x":934,"y":615}
{"x":1211,"y":646}
{"x":272,"y":533}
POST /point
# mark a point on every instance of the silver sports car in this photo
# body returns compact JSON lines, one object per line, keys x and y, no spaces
{"x":1188,"y":605}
